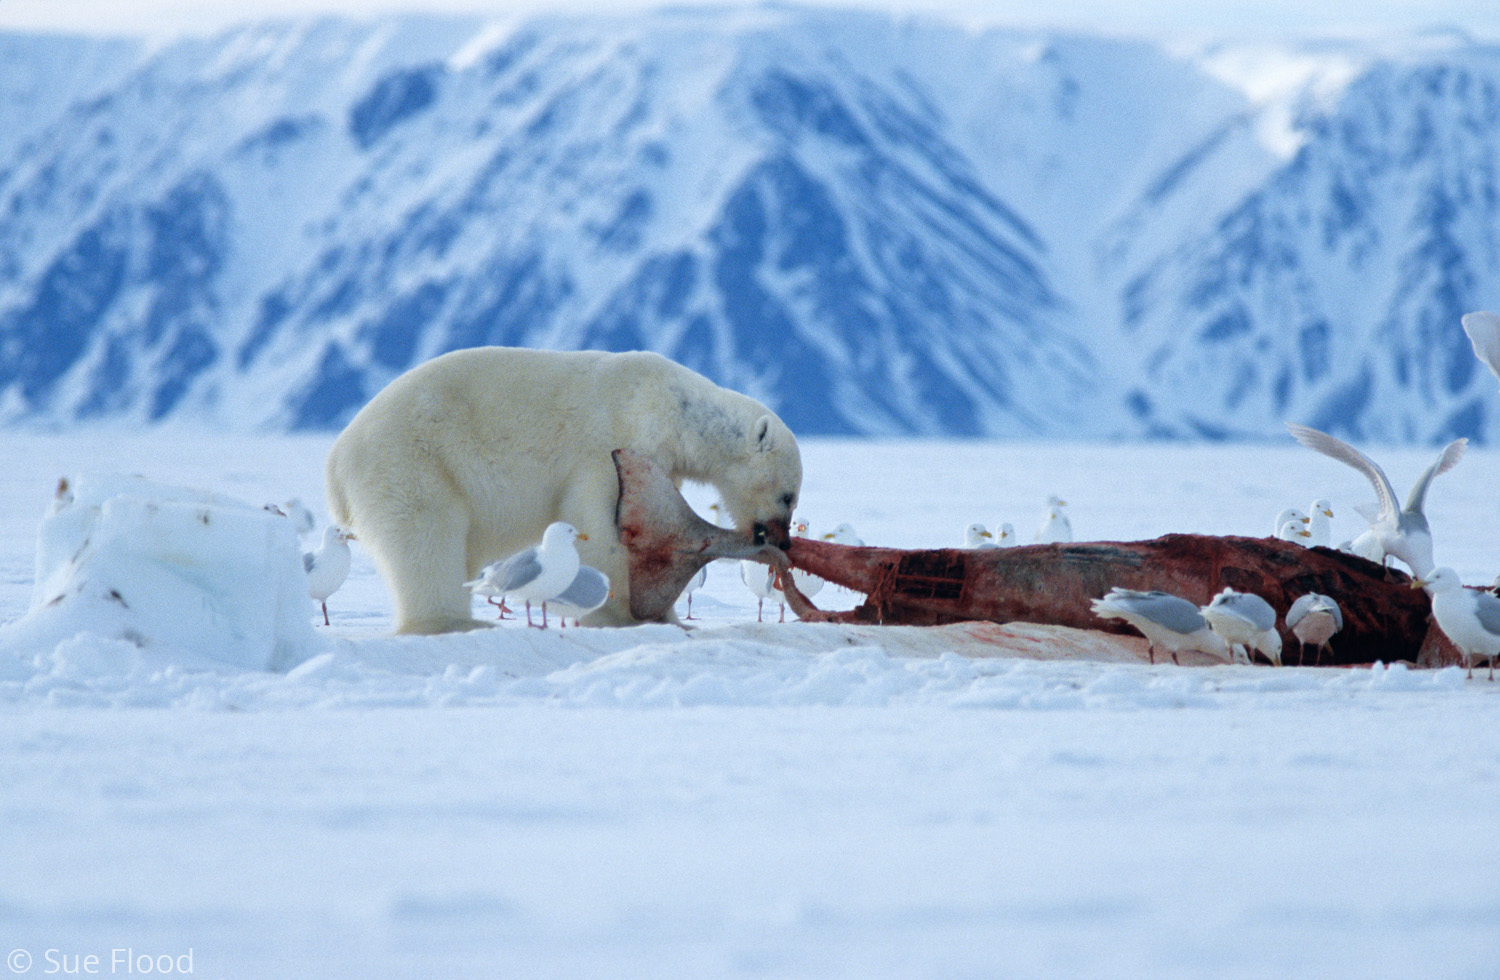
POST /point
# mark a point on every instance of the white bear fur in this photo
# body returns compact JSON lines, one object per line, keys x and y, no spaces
{"x":467,"y":458}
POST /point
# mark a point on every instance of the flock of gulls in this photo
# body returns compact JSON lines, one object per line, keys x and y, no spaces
{"x":1235,"y":623}
{"x":1230,"y":627}
{"x":550,"y":572}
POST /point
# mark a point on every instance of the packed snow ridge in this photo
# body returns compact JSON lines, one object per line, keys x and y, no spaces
{"x":875,"y":226}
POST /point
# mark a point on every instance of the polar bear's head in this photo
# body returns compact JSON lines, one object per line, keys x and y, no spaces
{"x":761,"y":483}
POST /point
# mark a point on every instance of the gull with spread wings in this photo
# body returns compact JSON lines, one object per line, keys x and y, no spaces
{"x":1401,"y":532}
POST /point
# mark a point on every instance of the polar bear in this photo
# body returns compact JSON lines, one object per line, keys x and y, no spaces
{"x":467,"y":458}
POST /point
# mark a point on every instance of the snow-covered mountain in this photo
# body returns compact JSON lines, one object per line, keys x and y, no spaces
{"x":875,"y":225}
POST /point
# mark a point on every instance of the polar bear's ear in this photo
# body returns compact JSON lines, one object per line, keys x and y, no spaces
{"x":761,"y":433}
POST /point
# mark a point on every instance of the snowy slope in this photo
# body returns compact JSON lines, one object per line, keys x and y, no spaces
{"x":875,"y":225}
{"x":1330,"y":293}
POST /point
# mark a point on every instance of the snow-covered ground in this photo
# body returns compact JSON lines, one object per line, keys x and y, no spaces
{"x":739,"y":802}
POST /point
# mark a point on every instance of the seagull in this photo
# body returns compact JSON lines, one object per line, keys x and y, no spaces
{"x":1314,"y":618}
{"x":978,"y":536}
{"x":1006,"y":536}
{"x":1055,"y":528}
{"x":1166,"y":621}
{"x":1365,"y":546}
{"x":302,"y":519}
{"x":1290,"y":514}
{"x":694,"y":584}
{"x":589,"y":591}
{"x":844,"y":534}
{"x":327,"y":567}
{"x":1483,"y":329}
{"x":1402,"y":533}
{"x":1296,"y":532}
{"x":536,"y":574}
{"x":1245,"y":619}
{"x":1321,"y":513}
{"x":807,"y":583}
{"x":759,"y":578}
{"x":1468,"y":617}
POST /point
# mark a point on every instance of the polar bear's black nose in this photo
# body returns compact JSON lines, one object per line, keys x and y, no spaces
{"x":775,"y":532}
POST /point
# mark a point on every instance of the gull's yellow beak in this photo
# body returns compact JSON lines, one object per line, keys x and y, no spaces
{"x":582,"y":536}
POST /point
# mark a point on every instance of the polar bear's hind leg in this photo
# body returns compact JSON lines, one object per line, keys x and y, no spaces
{"x":427,"y":582}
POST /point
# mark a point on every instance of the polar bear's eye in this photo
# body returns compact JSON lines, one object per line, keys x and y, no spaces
{"x":787,"y":500}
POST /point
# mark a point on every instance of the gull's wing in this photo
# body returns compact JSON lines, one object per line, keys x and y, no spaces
{"x":1161,"y":608}
{"x":1300,"y":608}
{"x":1253,"y":608}
{"x":1306,"y":604}
{"x":1170,"y":611}
{"x":1446,"y":460}
{"x":1483,"y":329}
{"x":589,"y":589}
{"x":1487,"y":608}
{"x":517,"y":570}
{"x":308,"y":561}
{"x":1343,"y":452}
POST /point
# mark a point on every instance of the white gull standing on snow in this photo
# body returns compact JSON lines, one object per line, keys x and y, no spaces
{"x":1402,"y":532}
{"x":694,"y":584}
{"x":1468,"y":617}
{"x":759,"y":578}
{"x":1167,"y":621}
{"x":1246,"y":620}
{"x":1314,"y":618}
{"x":537,"y":574}
{"x":327,"y":567}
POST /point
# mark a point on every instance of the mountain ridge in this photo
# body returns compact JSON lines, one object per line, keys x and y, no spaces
{"x":877,"y":226}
